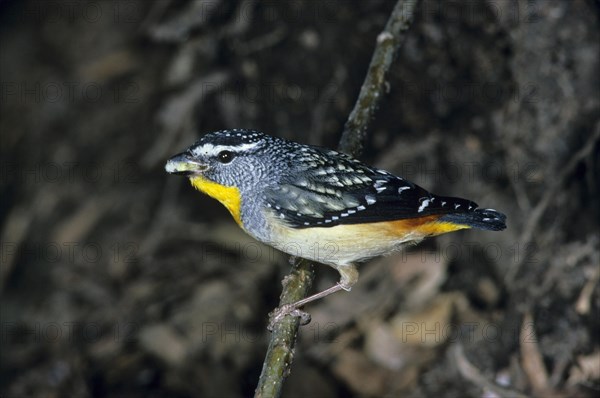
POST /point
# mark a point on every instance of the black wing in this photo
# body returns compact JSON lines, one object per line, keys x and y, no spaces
{"x":335,"y":189}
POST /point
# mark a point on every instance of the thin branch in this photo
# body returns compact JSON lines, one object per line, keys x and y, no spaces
{"x":280,"y":353}
{"x":375,"y":85}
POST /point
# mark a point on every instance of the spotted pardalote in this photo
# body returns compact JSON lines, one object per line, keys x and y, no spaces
{"x":320,"y":204}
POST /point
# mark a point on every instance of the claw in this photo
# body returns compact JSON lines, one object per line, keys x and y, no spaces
{"x":303,"y":315}
{"x":288,"y":309}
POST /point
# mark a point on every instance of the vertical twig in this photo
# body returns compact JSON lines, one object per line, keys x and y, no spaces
{"x":375,"y":85}
{"x":280,"y":353}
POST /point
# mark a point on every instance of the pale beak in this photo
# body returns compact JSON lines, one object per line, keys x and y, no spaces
{"x":184,"y":164}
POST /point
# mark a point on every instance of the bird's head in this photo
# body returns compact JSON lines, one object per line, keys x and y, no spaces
{"x":229,"y":157}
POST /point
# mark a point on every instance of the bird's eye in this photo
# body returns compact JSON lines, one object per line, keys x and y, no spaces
{"x":225,"y":156}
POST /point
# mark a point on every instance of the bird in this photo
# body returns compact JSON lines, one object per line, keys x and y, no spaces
{"x":319,"y":204}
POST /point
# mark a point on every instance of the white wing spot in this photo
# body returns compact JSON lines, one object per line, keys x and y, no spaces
{"x":335,"y":218}
{"x":351,"y":211}
{"x":370,"y":199}
{"x":443,"y":204}
{"x":423,"y":205}
{"x":402,"y":189}
{"x":380,"y":189}
{"x":361,"y":207}
{"x":456,"y":206}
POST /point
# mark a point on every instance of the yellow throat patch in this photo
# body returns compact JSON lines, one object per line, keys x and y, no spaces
{"x":228,"y":196}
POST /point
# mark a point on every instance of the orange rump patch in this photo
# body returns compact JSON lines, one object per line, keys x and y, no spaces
{"x":428,"y":226}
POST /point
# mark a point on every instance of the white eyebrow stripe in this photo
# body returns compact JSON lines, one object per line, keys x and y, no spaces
{"x":212,"y":150}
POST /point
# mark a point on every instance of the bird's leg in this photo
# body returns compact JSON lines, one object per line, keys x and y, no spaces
{"x":348,"y":277}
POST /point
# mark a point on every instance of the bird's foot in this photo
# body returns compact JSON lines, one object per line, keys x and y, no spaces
{"x":288,"y":309}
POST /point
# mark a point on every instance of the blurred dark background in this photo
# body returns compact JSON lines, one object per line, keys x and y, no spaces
{"x":120,"y":280}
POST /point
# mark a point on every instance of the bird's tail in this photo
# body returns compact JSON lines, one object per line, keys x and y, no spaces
{"x":488,"y":219}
